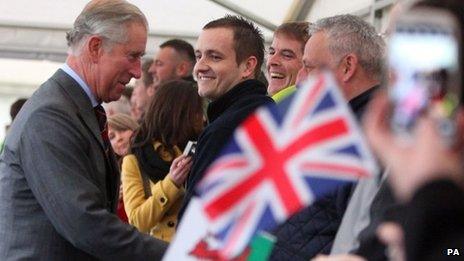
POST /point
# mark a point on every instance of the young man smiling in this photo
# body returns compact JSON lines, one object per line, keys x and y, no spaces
{"x":229,"y":54}
{"x":284,"y":58}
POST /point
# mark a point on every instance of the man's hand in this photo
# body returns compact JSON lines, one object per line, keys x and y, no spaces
{"x":424,"y":158}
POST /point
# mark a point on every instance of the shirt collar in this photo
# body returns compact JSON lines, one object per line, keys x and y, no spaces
{"x":81,"y":83}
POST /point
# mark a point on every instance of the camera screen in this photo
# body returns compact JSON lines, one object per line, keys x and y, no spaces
{"x":424,"y":67}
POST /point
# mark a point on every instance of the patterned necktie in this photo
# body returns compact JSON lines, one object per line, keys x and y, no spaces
{"x":103,"y":124}
{"x":112,"y":188}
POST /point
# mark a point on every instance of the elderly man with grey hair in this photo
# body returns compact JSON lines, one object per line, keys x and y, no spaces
{"x":353,"y":51}
{"x":350,"y":48}
{"x":58,"y":176}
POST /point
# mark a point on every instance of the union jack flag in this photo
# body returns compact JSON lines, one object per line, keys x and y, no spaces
{"x":281,"y":159}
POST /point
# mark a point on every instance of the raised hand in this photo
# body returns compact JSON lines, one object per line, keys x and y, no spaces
{"x":179,"y":170}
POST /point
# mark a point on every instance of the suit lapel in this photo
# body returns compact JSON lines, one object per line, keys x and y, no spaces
{"x":82,"y":103}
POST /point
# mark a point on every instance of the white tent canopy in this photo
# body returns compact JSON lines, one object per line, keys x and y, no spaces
{"x":36,"y":29}
{"x":33,"y":34}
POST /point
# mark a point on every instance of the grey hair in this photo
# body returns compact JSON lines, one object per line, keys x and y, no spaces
{"x":350,"y":34}
{"x":104,"y":18}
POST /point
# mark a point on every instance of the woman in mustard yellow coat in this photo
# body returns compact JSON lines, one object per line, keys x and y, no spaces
{"x":154,"y":173}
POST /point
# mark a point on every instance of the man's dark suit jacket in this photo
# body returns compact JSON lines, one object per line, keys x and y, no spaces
{"x":57,"y":197}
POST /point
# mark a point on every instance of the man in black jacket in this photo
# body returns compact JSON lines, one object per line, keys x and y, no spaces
{"x":229,"y":54}
{"x":353,"y":51}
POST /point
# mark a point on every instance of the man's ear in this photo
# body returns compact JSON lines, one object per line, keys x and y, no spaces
{"x":348,"y":67}
{"x":182,"y":69}
{"x":249,"y":67}
{"x":95,"y":47}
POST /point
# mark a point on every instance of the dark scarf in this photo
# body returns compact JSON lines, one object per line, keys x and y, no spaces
{"x":150,"y":163}
{"x":247,"y":89}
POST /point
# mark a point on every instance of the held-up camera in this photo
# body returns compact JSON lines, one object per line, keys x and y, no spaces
{"x":424,"y":62}
{"x":190,"y":148}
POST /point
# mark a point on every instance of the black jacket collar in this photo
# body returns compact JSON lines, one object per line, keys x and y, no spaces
{"x":359,"y":103}
{"x":189,"y":78}
{"x":243,"y":89}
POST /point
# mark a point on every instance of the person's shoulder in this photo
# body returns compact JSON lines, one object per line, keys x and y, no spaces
{"x":253,"y":101}
{"x":129,"y":159}
{"x":251,"y":93}
{"x":42,"y":107}
{"x":48,"y":96}
{"x":235,"y":114}
{"x":284,"y":93}
{"x":45,"y":104}
{"x":258,"y":99}
{"x":130,"y":166}
{"x":249,"y":104}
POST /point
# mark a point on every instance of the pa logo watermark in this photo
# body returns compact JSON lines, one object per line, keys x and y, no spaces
{"x":452,"y":252}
